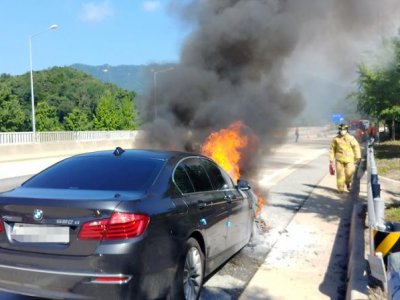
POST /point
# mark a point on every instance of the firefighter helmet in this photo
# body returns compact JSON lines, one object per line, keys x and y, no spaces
{"x":343,"y":126}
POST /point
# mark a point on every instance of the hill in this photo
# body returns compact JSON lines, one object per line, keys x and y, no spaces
{"x":65,"y":99}
{"x":136,"y":78}
{"x":128,"y":77}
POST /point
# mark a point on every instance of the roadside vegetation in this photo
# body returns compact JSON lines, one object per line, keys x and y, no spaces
{"x":65,"y":99}
{"x":392,"y":214}
{"x":379,"y":85}
{"x":388,"y":159}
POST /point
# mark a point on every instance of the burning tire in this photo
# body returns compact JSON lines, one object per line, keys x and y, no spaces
{"x":190,"y":273}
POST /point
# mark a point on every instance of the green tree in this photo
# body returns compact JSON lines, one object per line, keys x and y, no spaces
{"x":378,"y":92}
{"x":64,"y":89}
{"x":107,"y":116}
{"x":46,"y":118}
{"x":129,"y":115}
{"x":393,"y":114}
{"x":12,"y":117}
{"x":77,"y":120}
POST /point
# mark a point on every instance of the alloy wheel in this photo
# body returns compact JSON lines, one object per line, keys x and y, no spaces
{"x":192,"y":274}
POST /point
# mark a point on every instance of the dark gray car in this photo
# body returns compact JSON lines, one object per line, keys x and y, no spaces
{"x":137,"y":224}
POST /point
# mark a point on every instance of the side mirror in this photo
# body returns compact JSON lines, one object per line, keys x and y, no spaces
{"x":243,"y":185}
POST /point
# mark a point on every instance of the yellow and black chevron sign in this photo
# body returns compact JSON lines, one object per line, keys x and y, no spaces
{"x":386,"y":242}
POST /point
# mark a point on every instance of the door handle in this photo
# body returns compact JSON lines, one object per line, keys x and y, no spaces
{"x":201,"y":204}
{"x":228,"y":198}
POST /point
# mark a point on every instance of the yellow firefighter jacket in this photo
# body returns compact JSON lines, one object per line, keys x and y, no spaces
{"x":344,"y":149}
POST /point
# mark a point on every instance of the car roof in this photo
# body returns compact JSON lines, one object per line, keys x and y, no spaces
{"x":142,"y":153}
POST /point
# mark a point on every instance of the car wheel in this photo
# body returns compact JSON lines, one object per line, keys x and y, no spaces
{"x":190,"y":273}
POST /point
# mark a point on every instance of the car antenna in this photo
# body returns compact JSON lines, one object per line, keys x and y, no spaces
{"x":118,"y":151}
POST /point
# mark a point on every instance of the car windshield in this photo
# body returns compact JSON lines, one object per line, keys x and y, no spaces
{"x":99,"y":173}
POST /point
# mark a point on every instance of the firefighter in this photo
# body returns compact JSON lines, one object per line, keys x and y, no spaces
{"x":359,"y":134}
{"x":372,"y":131}
{"x":344,"y":149}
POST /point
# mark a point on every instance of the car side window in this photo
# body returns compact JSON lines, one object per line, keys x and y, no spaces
{"x":215,"y":174}
{"x":228,"y":179}
{"x":197,"y":175}
{"x":182,"y":180}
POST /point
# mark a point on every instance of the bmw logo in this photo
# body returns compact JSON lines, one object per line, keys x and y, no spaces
{"x":38,"y":214}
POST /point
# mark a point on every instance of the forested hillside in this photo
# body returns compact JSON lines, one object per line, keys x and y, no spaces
{"x":65,"y":99}
{"x":130,"y":77}
{"x":136,"y":78}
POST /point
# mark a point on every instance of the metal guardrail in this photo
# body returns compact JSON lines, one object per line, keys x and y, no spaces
{"x":14,"y":138}
{"x":376,"y":216}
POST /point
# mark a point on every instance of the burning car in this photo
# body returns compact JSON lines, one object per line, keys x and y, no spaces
{"x":135,"y":224}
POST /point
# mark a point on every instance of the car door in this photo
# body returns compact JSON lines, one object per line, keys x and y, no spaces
{"x":210,"y":216}
{"x":239,"y":214}
{"x":227,"y":195}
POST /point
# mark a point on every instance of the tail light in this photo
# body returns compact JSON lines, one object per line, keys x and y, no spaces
{"x":120,"y":226}
{"x":124,"y":226}
{"x":1,"y":226}
{"x":93,"y":230}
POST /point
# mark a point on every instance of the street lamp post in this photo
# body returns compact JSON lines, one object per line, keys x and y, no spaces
{"x":155,"y":87}
{"x":32,"y":93}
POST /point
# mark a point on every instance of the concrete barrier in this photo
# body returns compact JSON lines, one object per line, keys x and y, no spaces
{"x":20,"y":152}
{"x":357,"y":279}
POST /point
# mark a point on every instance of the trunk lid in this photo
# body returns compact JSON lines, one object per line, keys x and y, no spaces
{"x":49,"y":220}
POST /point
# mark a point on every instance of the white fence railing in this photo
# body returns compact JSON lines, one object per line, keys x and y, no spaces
{"x":13,"y":138}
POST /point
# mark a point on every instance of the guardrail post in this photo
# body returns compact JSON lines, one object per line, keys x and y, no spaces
{"x":371,"y":208}
{"x":379,"y":207}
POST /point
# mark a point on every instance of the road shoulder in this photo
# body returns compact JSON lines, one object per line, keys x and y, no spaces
{"x":309,"y":260}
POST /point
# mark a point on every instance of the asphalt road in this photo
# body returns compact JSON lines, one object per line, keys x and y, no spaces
{"x":284,"y":200}
{"x":292,"y":181}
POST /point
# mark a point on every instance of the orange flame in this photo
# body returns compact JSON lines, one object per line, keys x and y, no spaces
{"x":260,"y":204}
{"x":226,"y":147}
{"x":231,"y":148}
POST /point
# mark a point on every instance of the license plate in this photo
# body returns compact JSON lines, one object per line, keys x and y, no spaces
{"x":31,"y":233}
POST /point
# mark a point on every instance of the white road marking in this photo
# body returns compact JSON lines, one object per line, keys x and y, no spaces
{"x":268,"y":179}
{"x":388,"y":179}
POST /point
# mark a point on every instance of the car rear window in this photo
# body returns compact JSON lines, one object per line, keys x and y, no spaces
{"x":182,"y":180}
{"x":197,"y":174}
{"x":99,"y":173}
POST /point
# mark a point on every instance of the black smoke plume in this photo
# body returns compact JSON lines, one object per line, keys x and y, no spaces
{"x":230,"y":69}
{"x":233,"y":63}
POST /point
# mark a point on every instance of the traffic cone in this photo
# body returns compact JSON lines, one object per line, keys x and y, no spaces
{"x":308,"y":136}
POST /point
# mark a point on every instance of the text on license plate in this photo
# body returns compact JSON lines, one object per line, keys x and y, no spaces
{"x":31,"y":233}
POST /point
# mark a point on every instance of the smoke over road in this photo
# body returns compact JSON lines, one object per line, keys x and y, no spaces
{"x":238,"y":60}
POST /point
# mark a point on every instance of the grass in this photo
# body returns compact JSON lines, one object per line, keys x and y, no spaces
{"x":388,"y":159}
{"x":388,"y":150}
{"x":392,"y":214}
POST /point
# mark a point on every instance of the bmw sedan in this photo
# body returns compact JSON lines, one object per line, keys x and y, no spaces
{"x":135,"y":224}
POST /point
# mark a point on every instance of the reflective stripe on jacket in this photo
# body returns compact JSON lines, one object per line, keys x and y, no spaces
{"x":344,"y":149}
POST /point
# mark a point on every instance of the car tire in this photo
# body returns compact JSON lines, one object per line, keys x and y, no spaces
{"x":189,"y":277}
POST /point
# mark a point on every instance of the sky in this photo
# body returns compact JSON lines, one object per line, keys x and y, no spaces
{"x":93,"y":32}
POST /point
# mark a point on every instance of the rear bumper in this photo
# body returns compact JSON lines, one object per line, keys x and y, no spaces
{"x":63,"y":277}
{"x":54,"y":284}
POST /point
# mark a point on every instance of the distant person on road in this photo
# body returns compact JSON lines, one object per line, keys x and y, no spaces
{"x":296,"y":133}
{"x":359,"y":134}
{"x":372,"y":131}
{"x":326,"y":130}
{"x":344,"y":149}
